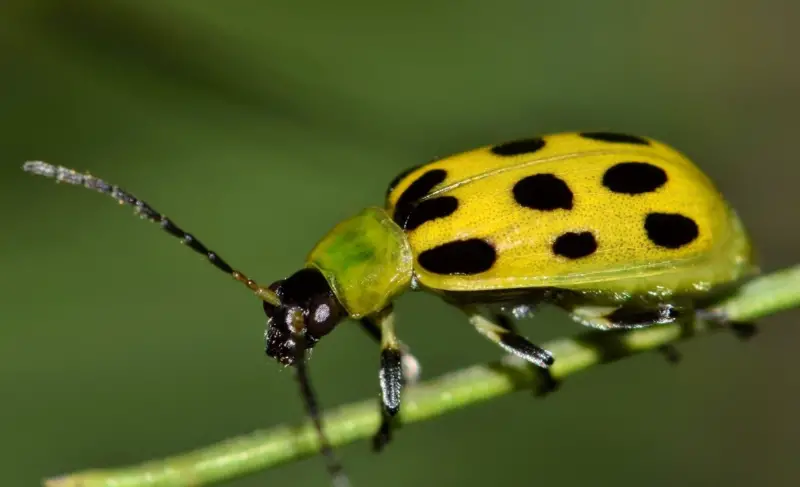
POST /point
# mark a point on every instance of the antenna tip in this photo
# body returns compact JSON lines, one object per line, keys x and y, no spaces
{"x":39,"y":167}
{"x":60,"y":174}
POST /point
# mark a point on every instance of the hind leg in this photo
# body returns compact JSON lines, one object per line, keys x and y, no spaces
{"x":742,"y":330}
{"x":632,"y":316}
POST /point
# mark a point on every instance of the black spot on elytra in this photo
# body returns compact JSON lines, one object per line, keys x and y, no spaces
{"x":634,"y":178}
{"x":670,"y":230}
{"x":543,"y":192}
{"x":399,"y":178}
{"x":428,"y":210}
{"x":615,"y":138}
{"x":518,"y":147}
{"x":415,"y":192}
{"x":575,"y":245}
{"x":460,"y":257}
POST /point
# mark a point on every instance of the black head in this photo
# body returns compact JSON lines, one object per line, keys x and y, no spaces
{"x":308,"y":308}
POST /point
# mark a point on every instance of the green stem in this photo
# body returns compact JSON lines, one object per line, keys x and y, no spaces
{"x":263,"y":449}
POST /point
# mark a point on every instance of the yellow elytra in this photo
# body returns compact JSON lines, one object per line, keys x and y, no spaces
{"x":521,"y":197}
{"x":620,"y":231}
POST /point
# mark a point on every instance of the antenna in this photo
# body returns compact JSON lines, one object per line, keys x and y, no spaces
{"x":144,"y":210}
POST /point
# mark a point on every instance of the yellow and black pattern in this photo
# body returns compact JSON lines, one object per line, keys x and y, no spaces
{"x":565,"y":210}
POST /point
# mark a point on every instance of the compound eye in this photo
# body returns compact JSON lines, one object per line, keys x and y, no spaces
{"x":323,"y":316}
{"x":322,"y":313}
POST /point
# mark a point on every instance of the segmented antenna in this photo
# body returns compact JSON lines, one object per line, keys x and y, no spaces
{"x":65,"y":175}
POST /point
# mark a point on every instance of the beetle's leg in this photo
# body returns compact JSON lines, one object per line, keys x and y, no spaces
{"x":742,"y":330}
{"x":411,"y":366}
{"x":631,"y":316}
{"x":511,"y":341}
{"x":390,"y":376}
{"x":547,"y":383}
{"x":501,"y":331}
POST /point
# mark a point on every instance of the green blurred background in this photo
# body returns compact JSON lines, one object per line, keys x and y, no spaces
{"x":258,"y":125}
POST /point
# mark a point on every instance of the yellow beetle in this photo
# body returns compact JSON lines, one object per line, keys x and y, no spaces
{"x":620,"y":231}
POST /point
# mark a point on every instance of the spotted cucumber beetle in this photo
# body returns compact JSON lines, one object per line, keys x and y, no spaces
{"x":620,"y":231}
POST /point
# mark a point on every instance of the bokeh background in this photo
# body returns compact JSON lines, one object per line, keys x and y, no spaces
{"x":258,"y":125}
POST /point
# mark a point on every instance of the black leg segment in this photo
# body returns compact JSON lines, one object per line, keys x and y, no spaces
{"x":397,"y":367}
{"x":391,"y":381}
{"x":547,"y":383}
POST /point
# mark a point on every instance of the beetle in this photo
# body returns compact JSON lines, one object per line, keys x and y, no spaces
{"x":619,"y":231}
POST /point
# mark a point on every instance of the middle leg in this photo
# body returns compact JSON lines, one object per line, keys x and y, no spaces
{"x":500,"y":329}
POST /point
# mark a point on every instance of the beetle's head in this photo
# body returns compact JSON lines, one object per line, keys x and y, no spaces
{"x":308,"y":308}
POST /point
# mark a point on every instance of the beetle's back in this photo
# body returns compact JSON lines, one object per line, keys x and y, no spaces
{"x":573,"y":211}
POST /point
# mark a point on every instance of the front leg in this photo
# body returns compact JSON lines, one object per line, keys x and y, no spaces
{"x":391,"y":374}
{"x":412,"y":369}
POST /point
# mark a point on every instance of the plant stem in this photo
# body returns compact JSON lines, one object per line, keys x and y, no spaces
{"x":263,"y":449}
